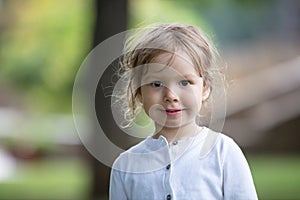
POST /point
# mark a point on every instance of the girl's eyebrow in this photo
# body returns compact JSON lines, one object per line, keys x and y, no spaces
{"x":151,"y":77}
{"x":189,"y":76}
{"x":147,"y":77}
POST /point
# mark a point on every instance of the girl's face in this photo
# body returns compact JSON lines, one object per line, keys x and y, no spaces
{"x":172,"y":95}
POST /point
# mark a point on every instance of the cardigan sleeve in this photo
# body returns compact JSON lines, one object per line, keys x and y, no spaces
{"x":238,"y":183}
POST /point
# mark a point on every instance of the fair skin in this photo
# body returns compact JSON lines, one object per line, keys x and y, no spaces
{"x":172,"y":96}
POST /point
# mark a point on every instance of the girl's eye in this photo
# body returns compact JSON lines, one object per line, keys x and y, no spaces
{"x":184,"y":83}
{"x":156,"y":84}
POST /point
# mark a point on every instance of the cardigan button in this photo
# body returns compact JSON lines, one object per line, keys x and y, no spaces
{"x":168,"y":166}
{"x":169,"y":197}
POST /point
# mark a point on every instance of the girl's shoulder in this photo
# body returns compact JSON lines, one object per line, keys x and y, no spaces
{"x":217,"y":142}
{"x":138,"y":148}
{"x":143,"y":157}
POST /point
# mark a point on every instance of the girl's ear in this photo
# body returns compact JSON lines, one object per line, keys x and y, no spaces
{"x":205,"y":92}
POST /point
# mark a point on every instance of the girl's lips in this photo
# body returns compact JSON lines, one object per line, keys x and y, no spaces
{"x":173,"y":111}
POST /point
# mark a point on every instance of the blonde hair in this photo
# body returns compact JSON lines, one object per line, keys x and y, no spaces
{"x":147,"y":43}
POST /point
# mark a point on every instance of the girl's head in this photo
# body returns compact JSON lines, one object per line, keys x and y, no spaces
{"x":166,"y":41}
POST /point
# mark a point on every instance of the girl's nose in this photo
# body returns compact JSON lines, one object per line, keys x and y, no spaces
{"x":170,"y":96}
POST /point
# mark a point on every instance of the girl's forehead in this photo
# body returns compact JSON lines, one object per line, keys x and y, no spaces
{"x":168,"y":58}
{"x":178,"y":62}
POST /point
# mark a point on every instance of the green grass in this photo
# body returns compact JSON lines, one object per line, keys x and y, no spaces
{"x":276,"y":176}
{"x":48,"y":179}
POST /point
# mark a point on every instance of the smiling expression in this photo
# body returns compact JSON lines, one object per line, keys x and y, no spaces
{"x":172,"y":94}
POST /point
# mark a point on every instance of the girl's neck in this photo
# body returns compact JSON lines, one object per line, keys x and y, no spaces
{"x":172,"y":134}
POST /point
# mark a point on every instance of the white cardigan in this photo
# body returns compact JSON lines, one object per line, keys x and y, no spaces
{"x":209,"y":166}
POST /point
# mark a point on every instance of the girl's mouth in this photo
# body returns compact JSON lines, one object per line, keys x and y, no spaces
{"x":173,"y":111}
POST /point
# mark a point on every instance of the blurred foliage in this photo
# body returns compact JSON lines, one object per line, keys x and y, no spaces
{"x":143,"y":12}
{"x":207,"y":3}
{"x":42,"y":46}
{"x":229,"y":21}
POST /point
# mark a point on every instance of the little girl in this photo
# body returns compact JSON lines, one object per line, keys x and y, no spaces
{"x":171,"y":69}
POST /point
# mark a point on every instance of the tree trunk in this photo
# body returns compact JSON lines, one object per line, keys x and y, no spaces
{"x":111,"y":18}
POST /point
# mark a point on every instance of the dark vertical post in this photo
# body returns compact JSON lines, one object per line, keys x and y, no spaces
{"x":111,"y":18}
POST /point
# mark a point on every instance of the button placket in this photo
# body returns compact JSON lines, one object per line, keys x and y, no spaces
{"x":174,"y":150}
{"x":167,"y":180}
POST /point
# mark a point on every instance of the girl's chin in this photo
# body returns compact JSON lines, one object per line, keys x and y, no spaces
{"x":169,"y":125}
{"x":176,"y":125}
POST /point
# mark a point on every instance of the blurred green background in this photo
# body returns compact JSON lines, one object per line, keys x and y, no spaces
{"x":43,"y":43}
